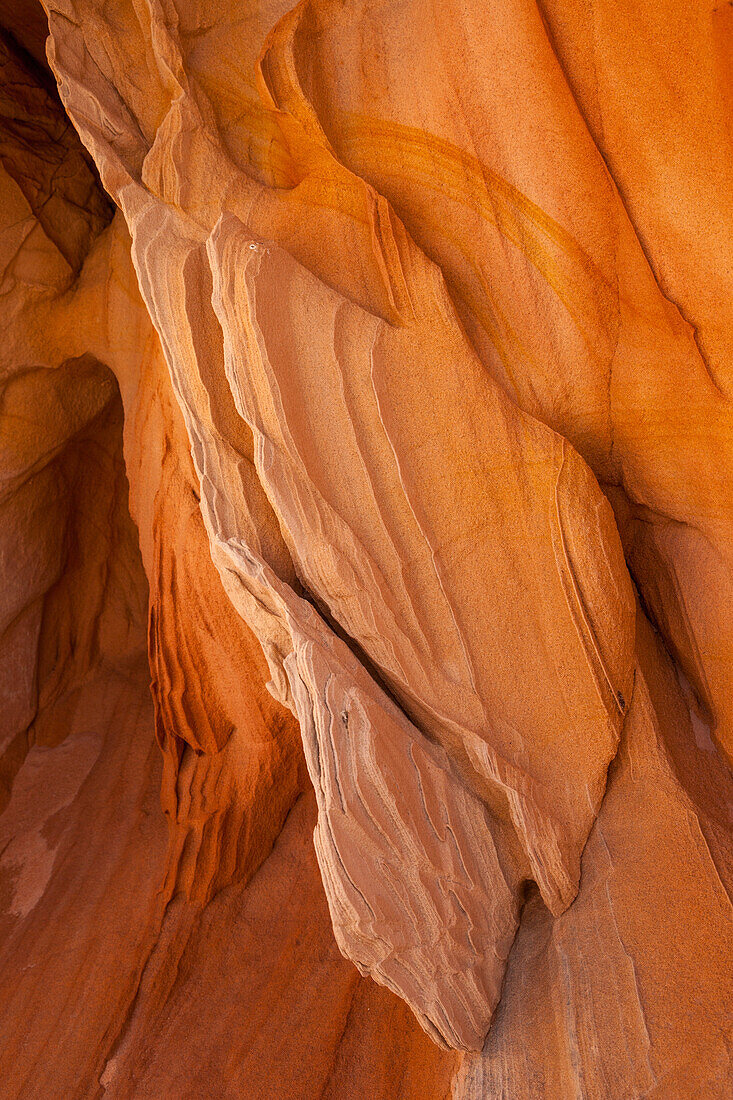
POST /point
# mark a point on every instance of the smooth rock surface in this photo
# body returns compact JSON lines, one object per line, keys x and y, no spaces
{"x":366,"y":512}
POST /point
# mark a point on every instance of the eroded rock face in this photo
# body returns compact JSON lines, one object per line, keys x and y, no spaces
{"x":385,"y":432}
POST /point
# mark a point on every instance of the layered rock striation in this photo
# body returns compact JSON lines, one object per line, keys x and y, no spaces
{"x":366,"y":474}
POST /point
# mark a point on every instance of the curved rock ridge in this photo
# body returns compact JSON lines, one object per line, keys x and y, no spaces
{"x":100,"y":913}
{"x":521,"y":213}
{"x":417,"y":893}
{"x":453,"y":674}
{"x":379,"y":448}
{"x":442,"y":651}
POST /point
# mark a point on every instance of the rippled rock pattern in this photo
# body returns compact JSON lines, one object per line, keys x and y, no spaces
{"x":366,"y":482}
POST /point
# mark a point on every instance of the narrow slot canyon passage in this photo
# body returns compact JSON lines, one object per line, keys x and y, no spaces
{"x":366,"y":557}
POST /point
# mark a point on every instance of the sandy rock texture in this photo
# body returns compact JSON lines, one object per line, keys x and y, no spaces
{"x":366,"y":532}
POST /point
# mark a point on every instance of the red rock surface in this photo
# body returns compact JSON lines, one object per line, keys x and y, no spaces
{"x":366,"y":487}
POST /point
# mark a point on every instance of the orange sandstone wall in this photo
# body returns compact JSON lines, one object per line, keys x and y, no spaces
{"x":366,"y":482}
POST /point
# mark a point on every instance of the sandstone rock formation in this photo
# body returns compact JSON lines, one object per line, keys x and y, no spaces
{"x":366,"y":481}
